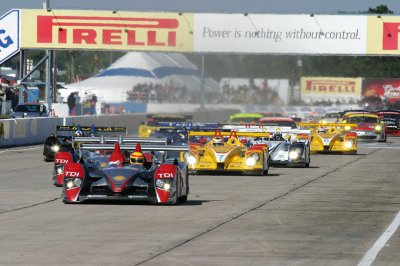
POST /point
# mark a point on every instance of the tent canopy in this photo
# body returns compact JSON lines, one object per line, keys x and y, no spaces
{"x":134,"y":68}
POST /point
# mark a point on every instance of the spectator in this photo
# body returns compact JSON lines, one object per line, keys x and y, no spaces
{"x":93,"y":102}
{"x":71,"y":101}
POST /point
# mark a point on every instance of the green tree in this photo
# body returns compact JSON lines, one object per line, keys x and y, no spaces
{"x":381,"y":9}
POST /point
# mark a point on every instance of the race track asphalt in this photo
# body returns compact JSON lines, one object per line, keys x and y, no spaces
{"x":329,"y":214}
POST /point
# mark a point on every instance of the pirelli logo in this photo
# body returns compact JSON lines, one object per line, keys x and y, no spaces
{"x":107,"y":31}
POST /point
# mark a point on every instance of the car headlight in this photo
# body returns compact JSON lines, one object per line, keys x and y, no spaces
{"x":252,"y":159}
{"x":164,"y":184}
{"x":295,"y":153}
{"x":347,"y":128}
{"x":56,"y":148}
{"x":191,"y":159}
{"x":59,"y":169}
{"x":324,"y":122}
{"x":349,"y":143}
{"x":378,"y":128}
{"x":73,"y":183}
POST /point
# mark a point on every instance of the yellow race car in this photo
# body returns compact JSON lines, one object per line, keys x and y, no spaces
{"x":332,"y":137}
{"x":156,"y":121}
{"x":228,"y":151}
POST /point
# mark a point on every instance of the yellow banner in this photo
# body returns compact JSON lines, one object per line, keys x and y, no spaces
{"x":331,"y":86}
{"x":106,"y":30}
{"x":383,"y":35}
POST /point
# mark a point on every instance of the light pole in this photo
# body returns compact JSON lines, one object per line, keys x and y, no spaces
{"x":203,"y":76}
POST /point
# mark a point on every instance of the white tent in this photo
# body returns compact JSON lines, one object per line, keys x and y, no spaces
{"x":134,"y":68}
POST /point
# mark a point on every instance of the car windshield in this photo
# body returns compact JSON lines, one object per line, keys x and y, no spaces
{"x":30,"y":108}
{"x":332,"y":115}
{"x":280,"y":124}
{"x":362,"y":119}
{"x":393,"y":116}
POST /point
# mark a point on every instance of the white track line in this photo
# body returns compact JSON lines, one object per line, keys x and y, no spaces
{"x":370,"y":256}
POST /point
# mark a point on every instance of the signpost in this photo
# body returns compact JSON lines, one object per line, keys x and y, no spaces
{"x":9,"y":35}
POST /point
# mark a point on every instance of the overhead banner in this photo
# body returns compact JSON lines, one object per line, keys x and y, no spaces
{"x":205,"y":33}
{"x":330,"y":90}
{"x":280,"y":34}
{"x":9,"y":35}
{"x":106,"y":30}
{"x":383,"y":35}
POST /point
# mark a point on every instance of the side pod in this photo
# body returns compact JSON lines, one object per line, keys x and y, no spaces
{"x":165,"y":184}
{"x":74,"y":174}
{"x":61,"y":159}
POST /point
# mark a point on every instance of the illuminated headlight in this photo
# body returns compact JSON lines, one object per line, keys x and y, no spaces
{"x":59,"y":169}
{"x":149,"y":131}
{"x":167,"y":186}
{"x":73,"y":183}
{"x":191,"y":159}
{"x":349,"y":143}
{"x":56,"y":148}
{"x":295,"y":153}
{"x":164,"y":184}
{"x":324,"y":122}
{"x":378,"y":128}
{"x":347,"y":128}
{"x":70,"y":184}
{"x":252,"y":159}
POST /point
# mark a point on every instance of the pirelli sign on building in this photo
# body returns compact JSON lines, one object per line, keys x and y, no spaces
{"x":325,"y":89}
{"x":106,"y":30}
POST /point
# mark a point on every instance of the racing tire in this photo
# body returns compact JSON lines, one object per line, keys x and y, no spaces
{"x":185,"y":197}
{"x":306,"y":165}
{"x":174,"y":199}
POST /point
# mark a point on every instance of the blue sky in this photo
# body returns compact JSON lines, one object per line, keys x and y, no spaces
{"x":212,"y":6}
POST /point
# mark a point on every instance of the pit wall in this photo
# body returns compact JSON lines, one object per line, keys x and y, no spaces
{"x":28,"y":131}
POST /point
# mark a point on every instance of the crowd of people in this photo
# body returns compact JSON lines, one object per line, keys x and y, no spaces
{"x":158,"y":93}
{"x":87,"y":107}
{"x":249,"y":94}
{"x":9,"y":94}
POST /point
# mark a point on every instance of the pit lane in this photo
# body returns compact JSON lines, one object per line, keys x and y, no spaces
{"x":328,"y":214}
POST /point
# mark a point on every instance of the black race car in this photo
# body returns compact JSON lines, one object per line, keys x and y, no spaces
{"x":63,"y":142}
{"x":157,"y":180}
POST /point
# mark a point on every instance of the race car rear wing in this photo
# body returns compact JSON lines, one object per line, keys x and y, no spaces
{"x":182,"y":149}
{"x":131,"y":147}
{"x":90,"y":128}
{"x":188,"y":125}
{"x":346,"y":126}
{"x":286,"y":132}
{"x":229,"y":133}
{"x":121,"y":140}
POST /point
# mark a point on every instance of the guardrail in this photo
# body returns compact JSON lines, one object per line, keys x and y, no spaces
{"x":29,"y":131}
